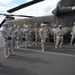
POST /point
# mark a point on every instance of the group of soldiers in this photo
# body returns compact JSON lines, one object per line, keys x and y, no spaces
{"x":58,"y":34}
{"x":13,"y":37}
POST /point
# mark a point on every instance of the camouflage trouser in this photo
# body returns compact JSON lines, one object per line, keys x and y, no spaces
{"x":59,"y":40}
{"x":7,"y":46}
{"x":28,"y":38}
{"x":13,"y":43}
{"x":19,"y":41}
{"x":43,"y":40}
{"x":54,"y":37}
{"x":37,"y":38}
{"x":72,"y":38}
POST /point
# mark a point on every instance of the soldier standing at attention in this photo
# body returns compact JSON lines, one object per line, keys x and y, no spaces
{"x":72,"y":34}
{"x":59,"y":37}
{"x":27,"y":36}
{"x":31,"y":31}
{"x":13,"y":38}
{"x":53,"y":33}
{"x":19,"y":36}
{"x":37,"y":38}
{"x":6,"y":33}
{"x":47,"y":31}
{"x":42,"y":33}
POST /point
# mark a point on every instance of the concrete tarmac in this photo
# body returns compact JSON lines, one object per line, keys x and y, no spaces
{"x":32,"y":61}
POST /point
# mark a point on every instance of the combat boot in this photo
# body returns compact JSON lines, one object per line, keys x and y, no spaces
{"x":56,"y":47}
{"x":60,"y":46}
{"x":36,"y":44}
{"x":29,"y":45}
{"x":13,"y":49}
{"x":18,"y":46}
{"x":26,"y":46}
{"x":11,"y":53}
{"x":21,"y":46}
{"x":70,"y":43}
{"x":43,"y":49}
{"x":6,"y":56}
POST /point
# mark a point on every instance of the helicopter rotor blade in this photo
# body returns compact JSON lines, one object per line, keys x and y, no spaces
{"x":3,"y":14}
{"x":23,"y":5}
{"x":17,"y":15}
{"x":13,"y":15}
{"x":22,"y":16}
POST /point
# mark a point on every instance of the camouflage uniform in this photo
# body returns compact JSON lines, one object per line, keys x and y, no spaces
{"x":59,"y":37}
{"x":27,"y":36}
{"x":13,"y":38}
{"x":53,"y":32}
{"x":42,"y":33}
{"x":48,"y":33}
{"x":73,"y":34}
{"x":37,"y":38}
{"x":7,"y":39}
{"x":19,"y":36}
{"x":31,"y":31}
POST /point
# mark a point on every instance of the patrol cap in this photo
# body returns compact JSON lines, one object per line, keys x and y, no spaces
{"x":14,"y":25}
{"x":36,"y":24}
{"x":54,"y":25}
{"x":11,"y":28}
{"x":26,"y":26}
{"x":46,"y":24}
{"x":18,"y":27}
{"x":5,"y":24}
{"x":60,"y":25}
{"x":43,"y":24}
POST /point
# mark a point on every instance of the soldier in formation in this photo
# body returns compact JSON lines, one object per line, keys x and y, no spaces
{"x":32,"y":33}
{"x":27,"y":36}
{"x":13,"y":32}
{"x":59,"y":37}
{"x":7,"y":39}
{"x":53,"y":33}
{"x":72,"y":34}
{"x":43,"y":34}
{"x":37,"y":37}
{"x":10,"y":36}
{"x":19,"y":36}
{"x":48,"y":32}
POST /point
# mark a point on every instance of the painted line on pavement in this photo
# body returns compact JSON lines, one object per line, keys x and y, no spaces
{"x":62,"y":54}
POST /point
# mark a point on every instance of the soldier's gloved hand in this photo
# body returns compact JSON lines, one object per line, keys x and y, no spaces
{"x":9,"y":38}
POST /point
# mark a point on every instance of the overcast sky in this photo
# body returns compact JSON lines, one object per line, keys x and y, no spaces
{"x":43,"y":8}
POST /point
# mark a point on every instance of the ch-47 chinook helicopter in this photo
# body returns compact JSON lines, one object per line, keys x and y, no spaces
{"x":65,"y":15}
{"x":11,"y":16}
